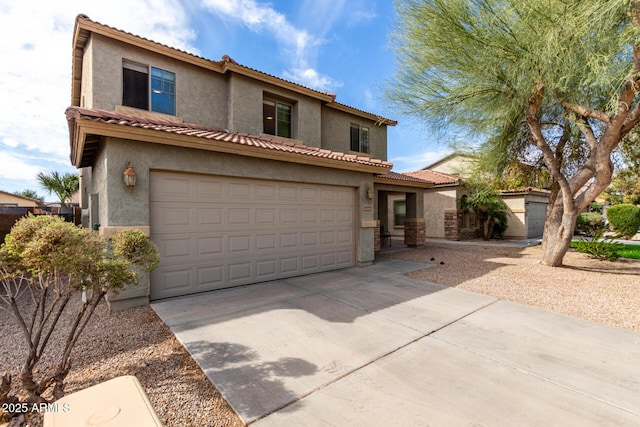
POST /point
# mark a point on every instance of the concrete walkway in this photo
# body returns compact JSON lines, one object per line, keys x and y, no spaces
{"x":372,"y":347}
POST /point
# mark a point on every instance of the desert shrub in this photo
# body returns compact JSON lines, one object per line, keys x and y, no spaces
{"x":599,"y":248}
{"x":45,"y":262}
{"x":596,"y":207}
{"x":625,"y":219}
{"x":588,"y":223}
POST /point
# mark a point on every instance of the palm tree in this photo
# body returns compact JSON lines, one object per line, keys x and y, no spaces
{"x":489,"y":208}
{"x":62,"y":185}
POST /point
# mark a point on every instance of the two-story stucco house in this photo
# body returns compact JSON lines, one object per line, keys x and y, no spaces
{"x":241,"y":176}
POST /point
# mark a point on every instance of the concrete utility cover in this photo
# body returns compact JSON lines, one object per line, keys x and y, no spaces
{"x":370,"y":346}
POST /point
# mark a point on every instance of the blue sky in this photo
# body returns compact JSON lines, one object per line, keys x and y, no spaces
{"x":337,"y":45}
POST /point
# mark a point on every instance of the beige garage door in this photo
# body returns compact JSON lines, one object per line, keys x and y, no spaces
{"x":216,"y":232}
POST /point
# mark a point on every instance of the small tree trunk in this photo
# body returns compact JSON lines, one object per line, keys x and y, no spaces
{"x":558,"y":232}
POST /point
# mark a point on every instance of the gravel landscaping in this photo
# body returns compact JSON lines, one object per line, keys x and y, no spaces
{"x":136,"y":342}
{"x":600,"y":291}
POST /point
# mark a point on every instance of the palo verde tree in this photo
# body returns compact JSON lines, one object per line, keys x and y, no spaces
{"x":44,"y":263}
{"x":558,"y":79}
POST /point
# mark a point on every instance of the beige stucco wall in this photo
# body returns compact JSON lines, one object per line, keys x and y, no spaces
{"x":457,"y":165}
{"x":436,"y":202}
{"x":12,"y":200}
{"x":86,"y":94}
{"x":336,"y":133}
{"x":201,"y":96}
{"x":245,"y":109}
{"x":118,"y":207}
{"x":516,"y":216}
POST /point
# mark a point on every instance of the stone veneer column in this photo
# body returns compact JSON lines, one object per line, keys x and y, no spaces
{"x":452,"y":223}
{"x":376,"y":238}
{"x":414,"y":232}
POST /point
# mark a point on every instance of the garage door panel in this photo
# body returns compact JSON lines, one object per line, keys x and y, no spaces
{"x":179,"y":247}
{"x":175,"y":280}
{"x":210,"y":245}
{"x":233,"y":231}
{"x":345,"y":258}
{"x":266,"y":242}
{"x":211,"y":277}
{"x":210,"y":216}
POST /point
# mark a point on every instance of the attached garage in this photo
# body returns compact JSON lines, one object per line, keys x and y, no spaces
{"x":225,"y":209}
{"x":216,"y":231}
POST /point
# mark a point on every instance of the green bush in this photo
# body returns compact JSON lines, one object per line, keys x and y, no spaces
{"x":625,"y":219}
{"x":588,"y":223}
{"x":595,"y":207}
{"x":602,"y":249}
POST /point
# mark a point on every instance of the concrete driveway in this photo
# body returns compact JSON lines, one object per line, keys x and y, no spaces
{"x":372,"y":347}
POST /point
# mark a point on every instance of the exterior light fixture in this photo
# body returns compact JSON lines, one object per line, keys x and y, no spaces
{"x":130,"y":177}
{"x":370,"y":193}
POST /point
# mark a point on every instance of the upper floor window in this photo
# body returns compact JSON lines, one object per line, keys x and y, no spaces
{"x":276,"y":118}
{"x":359,"y":138}
{"x":141,"y":91}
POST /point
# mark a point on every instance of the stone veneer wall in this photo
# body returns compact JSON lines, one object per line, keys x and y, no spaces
{"x":453,"y":229}
{"x":414,"y":231}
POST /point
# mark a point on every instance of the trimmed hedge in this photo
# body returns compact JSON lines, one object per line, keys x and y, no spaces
{"x":625,"y":219}
{"x":588,"y":223}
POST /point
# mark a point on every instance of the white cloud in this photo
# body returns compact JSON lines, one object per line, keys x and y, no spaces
{"x":297,"y":43}
{"x":14,"y":167}
{"x":10,"y":142}
{"x":416,"y":162}
{"x":35,"y":73}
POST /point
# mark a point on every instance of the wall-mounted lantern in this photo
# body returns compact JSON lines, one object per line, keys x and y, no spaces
{"x":130,"y":177}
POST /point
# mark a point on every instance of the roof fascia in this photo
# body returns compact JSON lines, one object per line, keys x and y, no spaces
{"x":400,"y":183}
{"x":377,"y":119}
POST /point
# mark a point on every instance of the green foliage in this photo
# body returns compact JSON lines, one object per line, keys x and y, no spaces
{"x":51,"y":261}
{"x":624,"y":188}
{"x":598,"y":248}
{"x":62,"y":185}
{"x":625,"y":219}
{"x":589,"y":223}
{"x":596,"y":207}
{"x":473,"y":63}
{"x":486,"y":203}
{"x":136,"y":247}
{"x":630,"y":251}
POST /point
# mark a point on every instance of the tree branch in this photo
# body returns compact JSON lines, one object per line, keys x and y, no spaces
{"x":585,"y":112}
{"x":631,"y":121}
{"x":531,"y":117}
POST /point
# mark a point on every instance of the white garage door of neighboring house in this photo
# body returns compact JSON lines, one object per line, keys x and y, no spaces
{"x":216,"y":232}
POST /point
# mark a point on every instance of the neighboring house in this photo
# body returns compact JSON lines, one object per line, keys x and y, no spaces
{"x":445,"y":219}
{"x":240,"y":176}
{"x":440,"y":197}
{"x":13,"y":200}
{"x":12,"y":208}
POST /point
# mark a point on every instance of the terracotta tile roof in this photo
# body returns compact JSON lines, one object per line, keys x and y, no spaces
{"x":438,"y":178}
{"x":403,"y":177}
{"x":213,"y":133}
